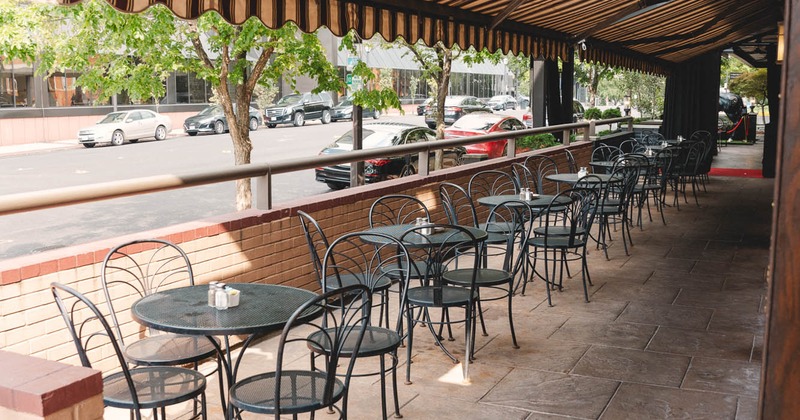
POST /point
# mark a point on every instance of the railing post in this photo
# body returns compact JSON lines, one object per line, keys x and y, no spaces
{"x":592,"y":128}
{"x":424,"y":162}
{"x":264,"y":191}
{"x":566,"y":136}
{"x":630,"y":124}
{"x":587,"y":131}
{"x":511,"y":147}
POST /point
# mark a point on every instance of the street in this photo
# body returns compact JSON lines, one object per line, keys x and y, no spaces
{"x":42,"y":230}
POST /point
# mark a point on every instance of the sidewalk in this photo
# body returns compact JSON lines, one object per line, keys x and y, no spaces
{"x":23,"y":149}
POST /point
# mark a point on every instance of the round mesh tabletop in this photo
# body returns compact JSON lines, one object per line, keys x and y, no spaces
{"x":436,"y":239}
{"x":572,"y":178}
{"x":262,"y":308}
{"x":537,"y":200}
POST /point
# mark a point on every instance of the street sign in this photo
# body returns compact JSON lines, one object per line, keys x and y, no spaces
{"x":351,"y":62}
{"x":348,"y":79}
{"x":356,"y":83}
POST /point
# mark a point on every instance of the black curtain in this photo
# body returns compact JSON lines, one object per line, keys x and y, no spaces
{"x":768,"y":161}
{"x":559,"y":87}
{"x":692,"y":97}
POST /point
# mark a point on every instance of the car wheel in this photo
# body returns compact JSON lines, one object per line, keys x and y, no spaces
{"x":192,"y":133}
{"x":88,"y":145}
{"x":299,"y":119}
{"x":376,"y":115}
{"x":503,"y":108}
{"x":219,"y":127}
{"x":272,"y":125}
{"x":326,"y":116}
{"x":407,"y":170}
{"x":117,"y":138}
{"x":161,"y":132}
{"x":253,"y":124}
{"x":432,"y":126}
{"x":336,"y":186}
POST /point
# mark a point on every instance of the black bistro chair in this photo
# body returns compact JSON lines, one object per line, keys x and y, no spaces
{"x":138,"y":388}
{"x":566,"y":229}
{"x":373,"y":259}
{"x":445,"y":247}
{"x":344,"y":316}
{"x":139,"y":268}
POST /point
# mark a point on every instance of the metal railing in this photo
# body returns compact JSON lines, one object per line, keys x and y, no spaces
{"x":263,"y":172}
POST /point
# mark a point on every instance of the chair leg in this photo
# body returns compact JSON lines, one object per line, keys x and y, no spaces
{"x":510,"y":317}
{"x":410,"y":339}
{"x":585,"y":277}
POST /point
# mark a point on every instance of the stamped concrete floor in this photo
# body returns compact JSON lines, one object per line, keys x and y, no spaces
{"x":672,"y":331}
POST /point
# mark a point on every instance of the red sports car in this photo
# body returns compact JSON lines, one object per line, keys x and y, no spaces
{"x":484,"y":123}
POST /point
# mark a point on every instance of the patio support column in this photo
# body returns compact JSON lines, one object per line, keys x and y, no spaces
{"x":537,"y":92}
{"x":780,"y":375}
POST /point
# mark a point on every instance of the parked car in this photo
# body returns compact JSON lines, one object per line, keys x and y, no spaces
{"x":382,"y":135}
{"x":456,"y":107}
{"x":424,"y":105}
{"x":502,"y":102}
{"x":117,"y":127}
{"x":577,"y":114}
{"x":212,"y":120}
{"x":483,"y":123}
{"x":298,"y":108}
{"x":344,"y":111}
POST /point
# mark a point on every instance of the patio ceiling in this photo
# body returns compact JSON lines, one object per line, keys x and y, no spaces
{"x":645,"y":35}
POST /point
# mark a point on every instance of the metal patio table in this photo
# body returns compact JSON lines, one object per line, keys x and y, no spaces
{"x":262,"y":308}
{"x":572,"y":178}
{"x":537,"y":201}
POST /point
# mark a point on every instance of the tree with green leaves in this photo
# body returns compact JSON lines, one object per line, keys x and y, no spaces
{"x":436,"y":64}
{"x":589,"y":75}
{"x":646,"y":91}
{"x":731,"y":66}
{"x":136,"y":53}
{"x":752,"y":84}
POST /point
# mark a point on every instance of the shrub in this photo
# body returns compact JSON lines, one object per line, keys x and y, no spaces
{"x":611,"y":113}
{"x":593,"y":114}
{"x":538,"y":141}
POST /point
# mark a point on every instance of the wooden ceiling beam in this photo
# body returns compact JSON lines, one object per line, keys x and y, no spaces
{"x":512,"y":6}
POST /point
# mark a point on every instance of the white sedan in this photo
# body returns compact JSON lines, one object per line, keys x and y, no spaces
{"x":132,"y":125}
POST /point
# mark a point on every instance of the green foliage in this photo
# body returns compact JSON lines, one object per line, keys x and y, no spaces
{"x":589,"y":75}
{"x":380,"y":93}
{"x":752,"y":84}
{"x":611,"y":113}
{"x":645,"y":90}
{"x":602,"y":133}
{"x":537,"y":141}
{"x":265,"y":94}
{"x":731,"y":65}
{"x":592,"y":114}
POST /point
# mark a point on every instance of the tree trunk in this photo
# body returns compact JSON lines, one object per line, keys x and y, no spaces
{"x":446,"y":56}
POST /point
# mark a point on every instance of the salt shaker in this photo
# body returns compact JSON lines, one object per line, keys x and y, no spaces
{"x":527,"y":194}
{"x":582,"y":172}
{"x":221,"y":295}
{"x":212,"y":294}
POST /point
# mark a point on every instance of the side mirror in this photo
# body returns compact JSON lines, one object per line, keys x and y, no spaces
{"x":129,"y":120}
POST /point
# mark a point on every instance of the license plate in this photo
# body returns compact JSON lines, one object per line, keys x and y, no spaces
{"x":273,"y":118}
{"x":191,"y":127}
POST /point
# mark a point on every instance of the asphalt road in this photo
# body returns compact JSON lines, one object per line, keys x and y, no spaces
{"x":42,"y":230}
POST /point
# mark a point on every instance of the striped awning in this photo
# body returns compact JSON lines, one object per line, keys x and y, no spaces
{"x":644,"y":35}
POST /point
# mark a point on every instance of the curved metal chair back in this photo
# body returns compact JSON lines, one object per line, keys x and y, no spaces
{"x":628,"y":146}
{"x":458,"y":205}
{"x":578,"y":214}
{"x":572,"y":166}
{"x":491,"y":182}
{"x":605,"y":152}
{"x":653,"y":138}
{"x":524,"y":177}
{"x":90,"y":330}
{"x":397,"y":209}
{"x":542,"y":166}
{"x":142,"y":267}
{"x":514,"y":219}
{"x":315,"y":239}
{"x":344,"y":316}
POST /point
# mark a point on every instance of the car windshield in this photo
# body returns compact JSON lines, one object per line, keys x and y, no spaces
{"x":112,"y":118}
{"x":346,"y":102}
{"x":497,"y":99}
{"x":290,"y":99}
{"x":453,"y":101}
{"x":372,"y":139}
{"x":211,"y":110}
{"x":476,"y":124}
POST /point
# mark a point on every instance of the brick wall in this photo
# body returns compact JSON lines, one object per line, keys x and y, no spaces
{"x":250,"y":246}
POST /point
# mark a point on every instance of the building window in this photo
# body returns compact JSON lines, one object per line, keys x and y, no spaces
{"x":63,"y":91}
{"x":16,"y":85}
{"x":189,"y":89}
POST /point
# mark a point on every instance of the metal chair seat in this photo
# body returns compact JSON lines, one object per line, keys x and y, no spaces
{"x":558,"y":242}
{"x":440,"y":296}
{"x":301,"y":392}
{"x":169,"y":349}
{"x":485,"y":277}
{"x":377,"y":341}
{"x":558,"y":230}
{"x":344,"y":280}
{"x":155,"y":387}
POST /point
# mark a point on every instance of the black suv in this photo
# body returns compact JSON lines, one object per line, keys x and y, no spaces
{"x":299,"y":107}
